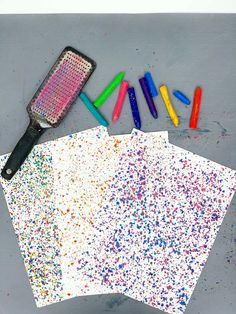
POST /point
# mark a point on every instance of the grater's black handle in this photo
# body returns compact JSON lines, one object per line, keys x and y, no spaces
{"x":22,"y":150}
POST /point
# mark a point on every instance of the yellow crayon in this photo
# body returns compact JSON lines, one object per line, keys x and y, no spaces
{"x":169,"y":106}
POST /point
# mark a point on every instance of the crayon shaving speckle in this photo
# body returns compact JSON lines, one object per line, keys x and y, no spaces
{"x":224,"y":131}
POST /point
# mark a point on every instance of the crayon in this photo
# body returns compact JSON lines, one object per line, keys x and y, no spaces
{"x":134,"y":107}
{"x":169,"y":106}
{"x":109,"y":89}
{"x":97,"y":115}
{"x":148,"y":97}
{"x":120,"y":100}
{"x":196,"y":108}
{"x":180,"y":96}
{"x":151,"y":84}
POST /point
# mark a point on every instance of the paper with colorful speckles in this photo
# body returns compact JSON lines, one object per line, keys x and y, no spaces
{"x":189,"y":200}
{"x":125,"y":203}
{"x":159,"y":217}
{"x":30,"y":199}
{"x":82,"y":169}
{"x":82,"y":176}
{"x":31,"y":202}
{"x":157,"y":224}
{"x":29,"y":196}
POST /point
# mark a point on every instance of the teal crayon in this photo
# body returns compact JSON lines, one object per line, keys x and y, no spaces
{"x":97,"y":115}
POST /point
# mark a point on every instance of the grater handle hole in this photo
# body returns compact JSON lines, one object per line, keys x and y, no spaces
{"x":8,"y":171}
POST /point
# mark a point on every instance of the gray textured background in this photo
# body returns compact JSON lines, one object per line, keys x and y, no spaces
{"x":180,"y":50}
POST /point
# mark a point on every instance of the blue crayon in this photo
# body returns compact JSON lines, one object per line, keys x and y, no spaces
{"x":179,"y":95}
{"x":97,"y":115}
{"x":151,"y":84}
{"x":134,"y":107}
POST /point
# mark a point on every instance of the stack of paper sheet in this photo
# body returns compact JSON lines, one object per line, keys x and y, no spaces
{"x":129,"y":214}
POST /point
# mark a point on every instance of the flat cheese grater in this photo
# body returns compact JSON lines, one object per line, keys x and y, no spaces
{"x":51,"y":102}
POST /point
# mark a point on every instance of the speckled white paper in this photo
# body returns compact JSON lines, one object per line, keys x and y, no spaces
{"x":158,"y":222}
{"x":31,"y":203}
{"x":131,"y":214}
{"x":83,"y":171}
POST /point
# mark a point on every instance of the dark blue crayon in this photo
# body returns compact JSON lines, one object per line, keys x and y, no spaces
{"x":151,"y":84}
{"x":179,"y":95}
{"x":134,"y":107}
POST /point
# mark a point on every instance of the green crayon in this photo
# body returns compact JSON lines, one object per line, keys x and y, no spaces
{"x":109,"y":89}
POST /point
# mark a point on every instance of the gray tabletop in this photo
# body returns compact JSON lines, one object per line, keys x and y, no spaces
{"x":180,"y":50}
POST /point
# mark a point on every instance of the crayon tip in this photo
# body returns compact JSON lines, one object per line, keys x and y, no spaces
{"x":138,"y":125}
{"x":121,"y":75}
{"x":105,"y":123}
{"x":193,"y":125}
{"x":155,"y":114}
{"x":114,"y":118}
{"x":176,"y":122}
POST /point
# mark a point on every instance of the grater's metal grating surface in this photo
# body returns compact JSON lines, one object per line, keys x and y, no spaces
{"x":61,"y":87}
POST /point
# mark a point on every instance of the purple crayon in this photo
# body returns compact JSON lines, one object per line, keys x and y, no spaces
{"x":148,"y":97}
